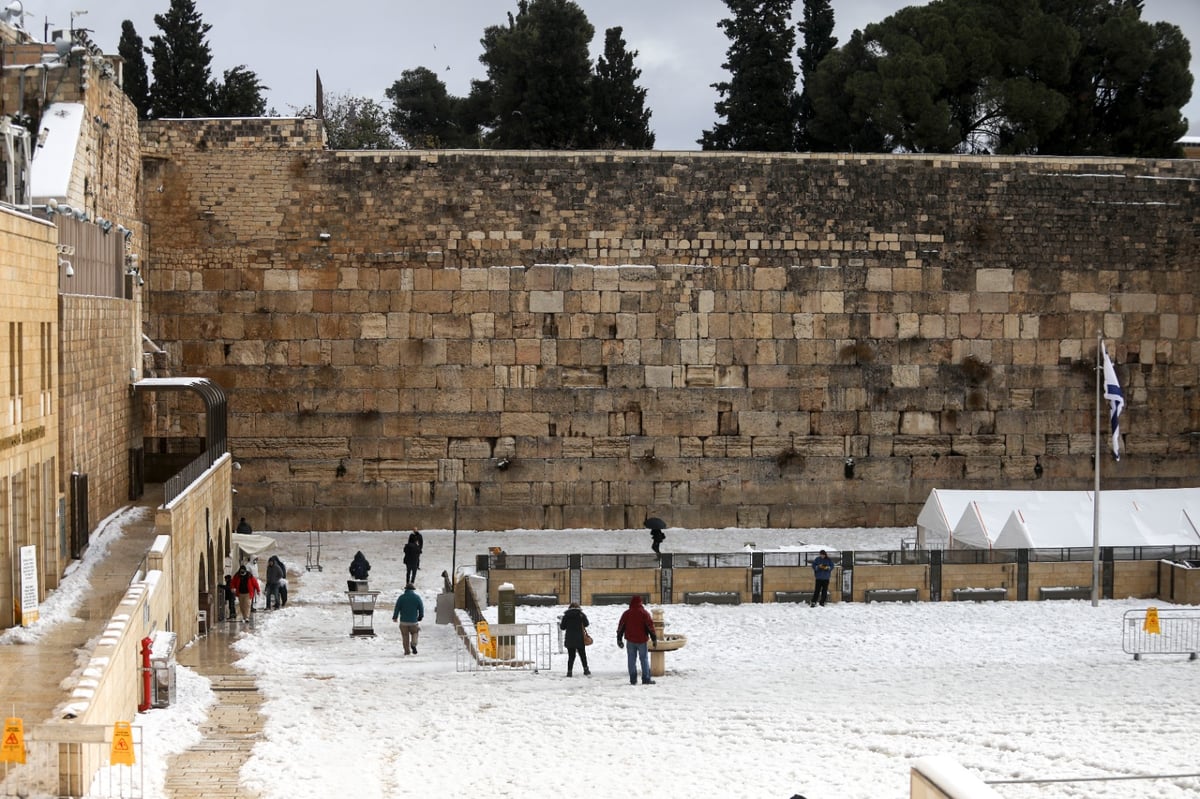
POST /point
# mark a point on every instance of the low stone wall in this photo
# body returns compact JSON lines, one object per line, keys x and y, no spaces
{"x":1120,"y":579}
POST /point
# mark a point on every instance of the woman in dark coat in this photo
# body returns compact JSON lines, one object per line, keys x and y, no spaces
{"x":572,"y":624}
{"x":412,"y":558}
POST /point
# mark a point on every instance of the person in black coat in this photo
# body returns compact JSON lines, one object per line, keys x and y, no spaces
{"x":359,"y":569}
{"x":412,"y":558}
{"x":572,"y":624}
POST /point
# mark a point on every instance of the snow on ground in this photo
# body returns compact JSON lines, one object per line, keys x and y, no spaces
{"x":763,"y":701}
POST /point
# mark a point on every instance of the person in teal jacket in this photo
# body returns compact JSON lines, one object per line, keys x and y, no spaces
{"x":409,"y":611}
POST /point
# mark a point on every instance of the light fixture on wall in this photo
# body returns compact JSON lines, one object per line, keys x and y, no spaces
{"x":324,"y":237}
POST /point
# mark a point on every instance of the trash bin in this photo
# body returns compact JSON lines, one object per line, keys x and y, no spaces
{"x":162,"y":669}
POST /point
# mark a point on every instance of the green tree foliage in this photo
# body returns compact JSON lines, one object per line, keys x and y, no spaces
{"x":1127,"y":83}
{"x":758,"y":104}
{"x":240,"y":95}
{"x":181,"y":70}
{"x":620,"y":117}
{"x":1081,"y":77}
{"x":136,"y":77}
{"x":426,"y":116}
{"x":182,"y":85}
{"x":354,"y":123}
{"x":537,"y":93}
{"x":817,"y":41}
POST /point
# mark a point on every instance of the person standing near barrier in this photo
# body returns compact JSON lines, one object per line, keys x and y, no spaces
{"x":822,"y":567}
{"x":573,"y":624}
{"x":636,"y":627}
{"x":409,"y":611}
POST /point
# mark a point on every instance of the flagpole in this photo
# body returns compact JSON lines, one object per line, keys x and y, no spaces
{"x":1096,"y":491}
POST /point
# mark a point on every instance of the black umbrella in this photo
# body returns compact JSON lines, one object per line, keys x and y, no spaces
{"x":655,"y":523}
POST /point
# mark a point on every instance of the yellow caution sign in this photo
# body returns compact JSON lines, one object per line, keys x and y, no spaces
{"x":12,"y":747}
{"x":1151,"y":623}
{"x":122,"y":745}
{"x":487,"y":644}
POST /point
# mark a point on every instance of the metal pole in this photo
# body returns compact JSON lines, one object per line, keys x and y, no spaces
{"x":454,"y":546}
{"x":1096,"y":491}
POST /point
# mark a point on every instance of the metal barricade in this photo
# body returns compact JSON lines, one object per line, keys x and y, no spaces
{"x":74,"y":760}
{"x":517,"y":647}
{"x":1171,"y":631}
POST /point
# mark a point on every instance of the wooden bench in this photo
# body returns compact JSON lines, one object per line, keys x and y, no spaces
{"x":979,"y":594}
{"x":1065,"y":592}
{"x":892,"y":595}
{"x":537,"y":600}
{"x":793,"y":596}
{"x":712,"y":598}
{"x":616,"y":599}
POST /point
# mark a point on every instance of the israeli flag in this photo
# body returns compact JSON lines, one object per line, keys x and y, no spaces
{"x":1116,"y":401}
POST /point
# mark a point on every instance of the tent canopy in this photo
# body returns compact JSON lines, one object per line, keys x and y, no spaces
{"x":244,"y":546}
{"x":1059,"y":519}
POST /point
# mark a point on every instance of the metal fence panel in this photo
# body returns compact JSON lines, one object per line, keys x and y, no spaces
{"x":1178,"y":633}
{"x":74,"y":761}
{"x":511,"y":647}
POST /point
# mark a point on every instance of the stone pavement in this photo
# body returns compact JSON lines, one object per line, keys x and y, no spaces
{"x":33,"y":675}
{"x":210,"y":769}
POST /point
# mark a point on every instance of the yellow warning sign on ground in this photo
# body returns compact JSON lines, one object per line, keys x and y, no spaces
{"x":122,"y":745}
{"x":12,"y":746}
{"x":1151,"y":623}
{"x":487,"y":644}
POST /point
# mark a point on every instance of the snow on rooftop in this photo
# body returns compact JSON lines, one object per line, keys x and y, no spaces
{"x":54,"y":151}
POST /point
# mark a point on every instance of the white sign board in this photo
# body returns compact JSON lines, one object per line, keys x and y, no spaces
{"x":29,"y":585}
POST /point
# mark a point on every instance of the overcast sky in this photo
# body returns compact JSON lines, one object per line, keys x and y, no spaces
{"x":361,"y":46}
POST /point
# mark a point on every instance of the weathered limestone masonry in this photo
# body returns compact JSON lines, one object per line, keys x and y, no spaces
{"x":577,"y":339}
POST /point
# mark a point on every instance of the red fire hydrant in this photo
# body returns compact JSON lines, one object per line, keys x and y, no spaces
{"x":147,"y":675}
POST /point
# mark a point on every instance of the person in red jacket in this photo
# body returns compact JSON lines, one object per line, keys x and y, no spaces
{"x":246,"y":586}
{"x":637,"y":627}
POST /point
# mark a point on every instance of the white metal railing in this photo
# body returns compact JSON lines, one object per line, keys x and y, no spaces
{"x":1170,"y":631}
{"x":74,"y":760}
{"x":509,"y":647}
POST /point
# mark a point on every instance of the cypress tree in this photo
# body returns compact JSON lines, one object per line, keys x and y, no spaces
{"x":181,"y":70}
{"x":618,"y":103}
{"x":136,"y":79}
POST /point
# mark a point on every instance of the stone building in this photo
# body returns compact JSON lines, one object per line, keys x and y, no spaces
{"x":78,"y":409}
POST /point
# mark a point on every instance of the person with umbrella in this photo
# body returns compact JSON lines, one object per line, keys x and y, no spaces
{"x":657,"y":536}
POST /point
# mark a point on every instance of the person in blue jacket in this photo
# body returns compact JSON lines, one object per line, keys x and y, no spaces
{"x":822,"y":567}
{"x":409,"y":611}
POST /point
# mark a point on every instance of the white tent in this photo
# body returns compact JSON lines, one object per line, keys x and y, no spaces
{"x":1058,"y":519}
{"x":246,"y":547}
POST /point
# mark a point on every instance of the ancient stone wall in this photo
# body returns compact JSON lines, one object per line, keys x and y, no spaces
{"x":579,"y":339}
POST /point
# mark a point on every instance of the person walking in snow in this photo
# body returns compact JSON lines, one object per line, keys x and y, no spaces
{"x":409,"y":611}
{"x":573,"y":624}
{"x":412,"y":558}
{"x":636,"y":627}
{"x":822,"y":567}
{"x":246,"y":586}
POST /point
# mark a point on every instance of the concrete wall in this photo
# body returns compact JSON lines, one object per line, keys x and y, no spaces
{"x":704,"y":336}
